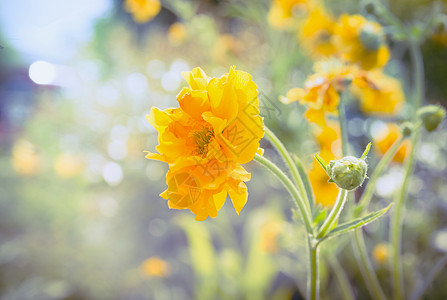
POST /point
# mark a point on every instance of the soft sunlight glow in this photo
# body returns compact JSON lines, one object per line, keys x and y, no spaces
{"x":42,"y":72}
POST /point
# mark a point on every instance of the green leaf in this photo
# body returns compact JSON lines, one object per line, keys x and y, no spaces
{"x":320,"y":214}
{"x":356,"y":223}
{"x":365,"y":153}
{"x":321,"y":161}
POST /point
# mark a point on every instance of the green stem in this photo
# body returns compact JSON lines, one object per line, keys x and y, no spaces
{"x":342,"y":121}
{"x":313,"y":291}
{"x":384,"y":161}
{"x":305,"y":214}
{"x":335,"y":213}
{"x":366,"y":268}
{"x":358,"y":244}
{"x":397,"y":220}
{"x":291,"y":164}
{"x":342,"y":278}
{"x":313,"y":277}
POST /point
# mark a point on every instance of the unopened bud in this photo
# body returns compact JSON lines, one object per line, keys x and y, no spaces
{"x":369,"y":7}
{"x":370,"y":39}
{"x":431,"y":116}
{"x":406,"y":128}
{"x":348,"y":173}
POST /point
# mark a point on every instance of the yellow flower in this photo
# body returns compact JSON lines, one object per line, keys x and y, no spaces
{"x":378,"y":93}
{"x":321,"y":90}
{"x":177,"y":33}
{"x":361,"y":41}
{"x":142,"y":10}
{"x":216,"y":129}
{"x":25,"y":159}
{"x":328,"y":139}
{"x":316,"y":32}
{"x":155,"y":266}
{"x":67,"y":165}
{"x":280,"y":15}
{"x":386,"y":138}
{"x":269,"y":236}
{"x":381,"y":253}
{"x":225,"y":47}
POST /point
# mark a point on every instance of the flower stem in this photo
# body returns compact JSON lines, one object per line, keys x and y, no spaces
{"x":313,"y":291}
{"x":397,"y":220}
{"x":358,"y":242}
{"x":291,"y":165}
{"x":305,"y":214}
{"x":342,"y":278}
{"x":342,"y":121}
{"x":313,"y":281}
{"x":366,"y":268}
{"x":335,"y":213}
{"x":384,"y":161}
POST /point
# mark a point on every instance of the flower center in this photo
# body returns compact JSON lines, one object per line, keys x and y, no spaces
{"x":201,"y":139}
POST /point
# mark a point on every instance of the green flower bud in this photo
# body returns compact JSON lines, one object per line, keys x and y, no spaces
{"x":406,"y":128}
{"x":348,"y":173}
{"x":370,"y":40}
{"x":431,"y":116}
{"x":369,"y":7}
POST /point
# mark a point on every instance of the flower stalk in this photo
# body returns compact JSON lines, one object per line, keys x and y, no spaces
{"x":397,"y":220}
{"x":334,"y":214}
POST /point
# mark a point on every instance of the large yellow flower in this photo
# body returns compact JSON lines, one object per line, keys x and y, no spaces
{"x":329,"y":140}
{"x":316,"y":32}
{"x":216,"y":129}
{"x":321,"y":90}
{"x":379,"y":94}
{"x":386,"y":138}
{"x":361,"y":41}
{"x":142,"y":10}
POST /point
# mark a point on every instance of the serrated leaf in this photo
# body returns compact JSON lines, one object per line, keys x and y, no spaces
{"x":356,"y":223}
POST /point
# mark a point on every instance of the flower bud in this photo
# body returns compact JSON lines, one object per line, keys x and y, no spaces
{"x":348,"y":172}
{"x":431,"y":116}
{"x":369,"y":7}
{"x":406,"y":128}
{"x":370,"y":39}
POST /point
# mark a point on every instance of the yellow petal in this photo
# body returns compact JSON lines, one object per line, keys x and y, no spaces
{"x":239,"y":196}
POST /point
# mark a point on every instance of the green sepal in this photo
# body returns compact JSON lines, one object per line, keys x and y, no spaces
{"x":356,"y":223}
{"x":321,"y":161}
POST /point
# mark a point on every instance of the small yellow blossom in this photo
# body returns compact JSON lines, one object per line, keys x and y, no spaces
{"x":269,"y":236}
{"x":379,"y":94}
{"x":216,"y":129}
{"x":226,"y":47}
{"x":177,"y":33}
{"x":381,"y":253}
{"x":25,"y":159}
{"x":67,"y":165}
{"x":386,"y":138}
{"x":329,"y":140}
{"x":142,"y":10}
{"x":280,"y":15}
{"x":361,"y":41}
{"x":316,"y":33}
{"x":322,"y":90}
{"x":155,"y":266}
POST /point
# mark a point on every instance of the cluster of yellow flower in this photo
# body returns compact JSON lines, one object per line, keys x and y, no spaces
{"x":352,"y":53}
{"x":216,"y":129}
